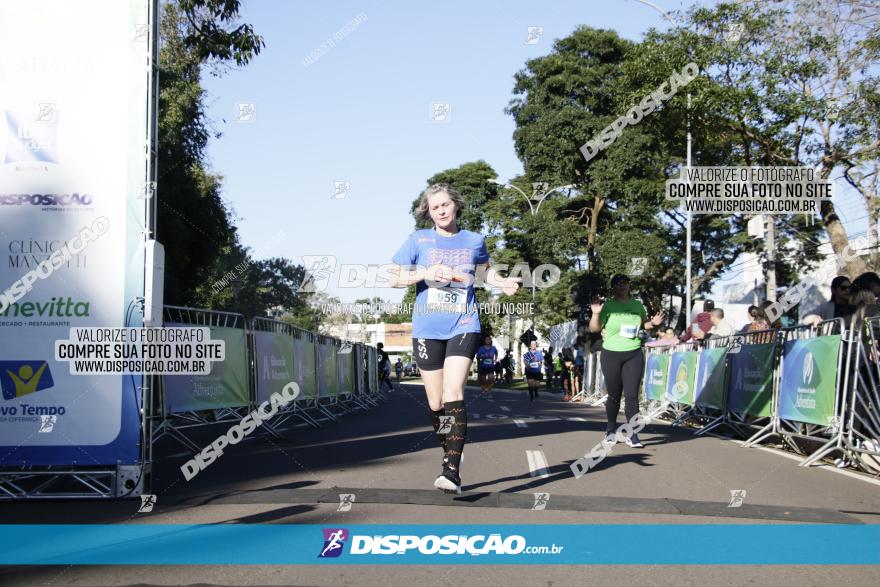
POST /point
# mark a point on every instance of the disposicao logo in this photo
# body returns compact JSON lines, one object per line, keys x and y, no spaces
{"x":18,"y":378}
{"x":334,"y":541}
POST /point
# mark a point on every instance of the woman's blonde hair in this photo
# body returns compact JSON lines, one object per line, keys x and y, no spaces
{"x":862,"y":297}
{"x":422,"y":212}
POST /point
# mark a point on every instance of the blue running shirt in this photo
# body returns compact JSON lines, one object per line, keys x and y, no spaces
{"x":462,"y":252}
{"x":533,"y":361}
{"x":486,"y":357}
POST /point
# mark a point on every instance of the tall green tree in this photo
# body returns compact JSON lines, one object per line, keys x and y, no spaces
{"x":193,"y":223}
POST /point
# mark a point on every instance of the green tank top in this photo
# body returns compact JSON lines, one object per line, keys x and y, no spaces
{"x":622,"y":322}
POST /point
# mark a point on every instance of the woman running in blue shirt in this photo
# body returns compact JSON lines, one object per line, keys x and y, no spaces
{"x":487,"y":355}
{"x":442,"y":262}
{"x":533,"y":361}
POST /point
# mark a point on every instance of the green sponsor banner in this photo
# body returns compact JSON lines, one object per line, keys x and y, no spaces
{"x":304,"y":368}
{"x":359,"y":368}
{"x":751,"y":380}
{"x":709,"y":391}
{"x":328,"y":386}
{"x":373,"y":368}
{"x":226,"y":386}
{"x":682,"y":370}
{"x":809,"y":374}
{"x":273,"y":362}
{"x":656,"y":373}
{"x":345,"y":369}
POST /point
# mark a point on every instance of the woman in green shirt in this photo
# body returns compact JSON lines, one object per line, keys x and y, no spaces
{"x":622,"y":360}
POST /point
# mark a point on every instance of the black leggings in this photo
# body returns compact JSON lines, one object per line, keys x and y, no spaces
{"x":623,"y":373}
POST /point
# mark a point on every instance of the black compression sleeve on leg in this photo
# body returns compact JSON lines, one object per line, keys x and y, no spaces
{"x":456,"y":437}
{"x":435,"y":422}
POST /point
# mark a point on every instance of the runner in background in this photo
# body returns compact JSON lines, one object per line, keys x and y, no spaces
{"x":487,"y":355}
{"x":548,"y":366}
{"x":567,"y":357}
{"x":578,"y":371}
{"x":533,"y":361}
{"x":398,"y":369}
{"x":622,"y":360}
{"x":384,"y":367}
{"x":442,"y":262}
{"x":558,"y":370}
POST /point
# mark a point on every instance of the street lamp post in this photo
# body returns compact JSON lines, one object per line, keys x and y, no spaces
{"x":534,"y":211}
{"x":687,"y":284}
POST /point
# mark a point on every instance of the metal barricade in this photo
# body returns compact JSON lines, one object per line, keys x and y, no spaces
{"x":810,"y":379}
{"x":176,"y":416}
{"x":268,"y":334}
{"x":862,"y":436}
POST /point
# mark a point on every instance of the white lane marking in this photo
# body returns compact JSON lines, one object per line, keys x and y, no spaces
{"x":537,"y":464}
{"x":505,"y":409}
{"x":519,"y":423}
{"x":576,"y":419}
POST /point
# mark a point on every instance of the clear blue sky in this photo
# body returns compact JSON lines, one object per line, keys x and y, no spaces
{"x":360,"y":113}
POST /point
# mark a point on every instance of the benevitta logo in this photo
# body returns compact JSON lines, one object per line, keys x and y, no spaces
{"x":808,"y":368}
{"x":334,"y":541}
{"x":19,"y":378}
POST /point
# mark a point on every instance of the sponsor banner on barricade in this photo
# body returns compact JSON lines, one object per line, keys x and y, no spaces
{"x":359,"y":368}
{"x":273,"y":360}
{"x":657,"y":371}
{"x":751,"y":380}
{"x":373,"y":368}
{"x":809,"y":376}
{"x":436,"y":544}
{"x":304,"y":368}
{"x":327,"y":377}
{"x":225,"y":387}
{"x":345,"y":370}
{"x":682,"y":371}
{"x":711,"y":371}
{"x":73,"y":130}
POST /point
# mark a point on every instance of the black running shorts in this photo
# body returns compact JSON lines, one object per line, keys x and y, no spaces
{"x":431,"y":352}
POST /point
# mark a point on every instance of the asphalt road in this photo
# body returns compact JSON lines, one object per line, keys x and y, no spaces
{"x":388,"y":458}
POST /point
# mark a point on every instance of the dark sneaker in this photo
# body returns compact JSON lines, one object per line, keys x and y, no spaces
{"x":448,"y":482}
{"x":610,"y":439}
{"x":633,"y":441}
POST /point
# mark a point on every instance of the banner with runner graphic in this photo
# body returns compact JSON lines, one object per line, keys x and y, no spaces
{"x":438,"y":544}
{"x":751,"y":380}
{"x":809,"y":377}
{"x":711,"y":372}
{"x":73,"y":130}
{"x":656,"y":372}
{"x":227,"y":386}
{"x":682,"y":370}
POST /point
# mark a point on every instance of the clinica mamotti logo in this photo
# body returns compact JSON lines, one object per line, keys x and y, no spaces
{"x":20,"y":378}
{"x":28,"y":253}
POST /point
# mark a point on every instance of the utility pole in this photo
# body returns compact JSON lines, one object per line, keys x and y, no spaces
{"x":771,"y":258}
